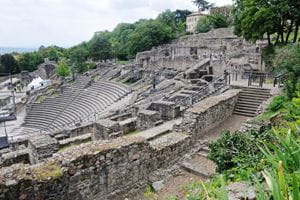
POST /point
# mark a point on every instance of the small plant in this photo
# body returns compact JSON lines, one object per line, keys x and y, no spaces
{"x":149,"y":192}
{"x":48,"y":171}
{"x":276,"y":103}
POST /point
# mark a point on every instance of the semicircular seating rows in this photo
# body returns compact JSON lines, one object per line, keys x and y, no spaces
{"x":76,"y":104}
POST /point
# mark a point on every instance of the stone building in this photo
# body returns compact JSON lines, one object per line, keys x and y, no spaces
{"x":192,"y":20}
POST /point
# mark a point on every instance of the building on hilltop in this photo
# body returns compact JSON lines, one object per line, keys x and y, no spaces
{"x":192,"y":20}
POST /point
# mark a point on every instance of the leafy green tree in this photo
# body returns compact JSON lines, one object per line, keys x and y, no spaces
{"x":203,"y":25}
{"x":148,"y":34}
{"x":8,"y":64}
{"x":120,"y":39}
{"x":30,"y":61}
{"x":63,"y":70}
{"x":203,"y":5}
{"x":287,"y":59}
{"x":218,"y":21}
{"x":253,"y":19}
{"x":100,"y":47}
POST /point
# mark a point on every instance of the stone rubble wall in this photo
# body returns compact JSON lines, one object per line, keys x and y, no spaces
{"x":208,"y":113}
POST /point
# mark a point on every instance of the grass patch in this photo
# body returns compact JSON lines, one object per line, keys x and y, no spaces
{"x":48,"y":171}
{"x":40,"y":99}
{"x":132,"y":133}
{"x":149,"y":192}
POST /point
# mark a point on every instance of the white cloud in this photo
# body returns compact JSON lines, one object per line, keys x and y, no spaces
{"x":30,"y":23}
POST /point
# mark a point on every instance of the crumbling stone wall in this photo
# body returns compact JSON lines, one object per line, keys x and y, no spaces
{"x":208,"y":113}
{"x":102,"y":170}
{"x":167,"y":110}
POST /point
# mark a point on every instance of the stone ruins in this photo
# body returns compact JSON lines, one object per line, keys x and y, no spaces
{"x":103,"y":135}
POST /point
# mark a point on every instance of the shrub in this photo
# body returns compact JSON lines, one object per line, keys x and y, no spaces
{"x":276,"y":103}
{"x":239,"y":150}
{"x":203,"y":25}
{"x":63,"y":69}
{"x":218,"y":21}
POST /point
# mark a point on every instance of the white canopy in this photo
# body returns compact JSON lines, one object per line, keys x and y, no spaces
{"x":35,"y":84}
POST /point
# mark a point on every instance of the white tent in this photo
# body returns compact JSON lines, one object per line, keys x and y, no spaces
{"x":37,"y":84}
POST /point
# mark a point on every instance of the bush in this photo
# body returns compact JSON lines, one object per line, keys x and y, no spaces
{"x":203,"y":25}
{"x":238,"y":149}
{"x":218,"y":21}
{"x":63,"y":69}
{"x":276,"y":103}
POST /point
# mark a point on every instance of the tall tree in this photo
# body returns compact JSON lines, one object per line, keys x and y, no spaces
{"x":100,"y":47}
{"x":253,"y":19}
{"x":203,"y":5}
{"x":8,"y":64}
{"x":148,"y":34}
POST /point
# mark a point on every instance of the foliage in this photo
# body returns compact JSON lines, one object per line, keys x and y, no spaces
{"x":100,"y":47}
{"x":283,"y":179}
{"x":148,"y":34}
{"x":287,"y":60}
{"x":211,"y":190}
{"x":203,"y":5}
{"x":255,"y":18}
{"x":8,"y":64}
{"x":48,"y":171}
{"x":203,"y":25}
{"x":63,"y":69}
{"x":30,"y":61}
{"x":218,"y":21}
{"x":276,"y":103}
{"x":238,"y":149}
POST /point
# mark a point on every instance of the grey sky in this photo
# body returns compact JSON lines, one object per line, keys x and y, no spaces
{"x":31,"y":23}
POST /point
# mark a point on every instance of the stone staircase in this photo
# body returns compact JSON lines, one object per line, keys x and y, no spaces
{"x":199,"y":165}
{"x":249,"y":101}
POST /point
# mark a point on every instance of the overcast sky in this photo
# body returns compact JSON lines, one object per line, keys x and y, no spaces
{"x":31,"y":23}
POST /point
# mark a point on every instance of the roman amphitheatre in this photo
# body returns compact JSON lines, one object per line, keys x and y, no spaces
{"x":148,"y":127}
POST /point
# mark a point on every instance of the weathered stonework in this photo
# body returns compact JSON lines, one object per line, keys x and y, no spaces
{"x":167,"y":110}
{"x":209,"y":113}
{"x":146,"y":119}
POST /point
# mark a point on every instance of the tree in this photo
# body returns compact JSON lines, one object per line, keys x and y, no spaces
{"x":119,"y":40}
{"x":203,"y":5}
{"x":148,"y":34}
{"x":287,"y":59}
{"x":253,"y":19}
{"x":203,"y":25}
{"x":218,"y":21}
{"x":100,"y":47}
{"x":63,"y":70}
{"x":30,"y":61}
{"x":8,"y":64}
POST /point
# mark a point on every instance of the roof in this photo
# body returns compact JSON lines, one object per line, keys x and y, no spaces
{"x":3,"y":142}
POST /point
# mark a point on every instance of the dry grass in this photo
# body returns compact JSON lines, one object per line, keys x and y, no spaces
{"x":48,"y":171}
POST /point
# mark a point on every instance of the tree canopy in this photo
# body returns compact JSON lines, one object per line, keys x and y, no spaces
{"x":253,"y":19}
{"x":8,"y":64}
{"x":203,"y":5}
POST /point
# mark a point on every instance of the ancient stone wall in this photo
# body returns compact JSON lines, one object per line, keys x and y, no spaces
{"x":208,"y":113}
{"x":102,"y":170}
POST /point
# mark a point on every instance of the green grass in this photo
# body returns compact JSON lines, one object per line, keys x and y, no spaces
{"x":40,"y":99}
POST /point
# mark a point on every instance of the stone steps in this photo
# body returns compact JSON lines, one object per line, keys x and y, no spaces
{"x":200,"y":166}
{"x":249,"y":101}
